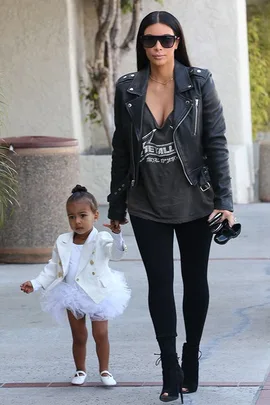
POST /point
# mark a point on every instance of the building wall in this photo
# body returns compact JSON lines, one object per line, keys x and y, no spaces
{"x":34,"y":67}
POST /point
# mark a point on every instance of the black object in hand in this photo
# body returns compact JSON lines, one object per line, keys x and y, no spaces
{"x":222,"y":230}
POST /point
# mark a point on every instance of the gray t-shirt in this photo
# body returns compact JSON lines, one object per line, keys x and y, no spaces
{"x":163,"y":193}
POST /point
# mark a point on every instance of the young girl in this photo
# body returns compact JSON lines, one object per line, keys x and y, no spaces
{"x":78,"y":280}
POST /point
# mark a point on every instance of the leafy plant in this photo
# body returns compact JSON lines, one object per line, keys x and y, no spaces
{"x":91,"y":99}
{"x":8,"y":184}
{"x":8,"y":174}
{"x":259,"y":58}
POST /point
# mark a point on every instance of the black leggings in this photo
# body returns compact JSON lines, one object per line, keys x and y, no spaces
{"x":155,"y":242}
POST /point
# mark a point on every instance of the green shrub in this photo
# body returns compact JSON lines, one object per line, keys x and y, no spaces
{"x":259,"y":58}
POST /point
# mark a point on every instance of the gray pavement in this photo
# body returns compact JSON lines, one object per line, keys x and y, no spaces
{"x":235,"y":346}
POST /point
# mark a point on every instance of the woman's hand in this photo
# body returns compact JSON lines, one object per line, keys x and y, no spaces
{"x":114,"y":225}
{"x":27,"y":287}
{"x":225,"y":215}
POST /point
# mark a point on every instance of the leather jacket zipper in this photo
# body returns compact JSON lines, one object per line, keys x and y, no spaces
{"x":196,"y":116}
{"x":133,"y":159}
{"x":177,"y":151}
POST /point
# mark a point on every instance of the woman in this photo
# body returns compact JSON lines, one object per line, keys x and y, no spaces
{"x":170,"y":170}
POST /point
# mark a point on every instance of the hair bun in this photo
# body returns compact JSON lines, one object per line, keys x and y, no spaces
{"x":79,"y":189}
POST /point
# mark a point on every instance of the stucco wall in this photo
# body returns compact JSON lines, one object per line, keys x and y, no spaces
{"x":34,"y":67}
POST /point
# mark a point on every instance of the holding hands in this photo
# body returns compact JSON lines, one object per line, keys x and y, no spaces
{"x":27,"y":287}
{"x":114,"y":225}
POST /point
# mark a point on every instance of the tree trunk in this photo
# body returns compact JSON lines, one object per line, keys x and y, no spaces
{"x":106,"y":112}
{"x":115,"y":42}
{"x":103,"y":71}
{"x":133,"y":26}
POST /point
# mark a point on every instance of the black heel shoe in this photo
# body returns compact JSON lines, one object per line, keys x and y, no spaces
{"x":172,"y":379}
{"x":190,"y":366}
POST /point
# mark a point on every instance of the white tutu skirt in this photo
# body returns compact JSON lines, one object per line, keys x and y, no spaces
{"x":72,"y":297}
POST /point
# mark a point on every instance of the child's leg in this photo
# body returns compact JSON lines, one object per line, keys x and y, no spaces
{"x":100,"y":335}
{"x":79,"y":334}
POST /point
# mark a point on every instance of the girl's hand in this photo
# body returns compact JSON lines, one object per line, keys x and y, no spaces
{"x":27,"y":287}
{"x":114,"y":225}
{"x":225,"y":215}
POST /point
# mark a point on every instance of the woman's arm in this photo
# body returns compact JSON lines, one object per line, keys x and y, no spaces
{"x":215,"y":146}
{"x":120,"y":161}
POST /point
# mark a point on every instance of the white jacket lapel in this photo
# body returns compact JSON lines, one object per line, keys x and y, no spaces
{"x":64,"y":246}
{"x":87,"y":250}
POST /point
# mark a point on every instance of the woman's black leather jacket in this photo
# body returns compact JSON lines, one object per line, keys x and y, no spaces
{"x":199,"y":135}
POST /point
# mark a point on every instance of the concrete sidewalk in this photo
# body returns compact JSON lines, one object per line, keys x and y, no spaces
{"x":236,"y":350}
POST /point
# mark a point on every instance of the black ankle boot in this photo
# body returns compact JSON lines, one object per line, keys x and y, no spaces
{"x":190,"y":366}
{"x":171,"y":371}
{"x":172,"y":378}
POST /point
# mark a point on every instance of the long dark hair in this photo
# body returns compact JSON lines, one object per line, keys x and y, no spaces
{"x":162,"y":17}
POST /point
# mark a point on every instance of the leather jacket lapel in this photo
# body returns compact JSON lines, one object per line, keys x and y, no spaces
{"x":182,"y":107}
{"x":183,"y":83}
{"x":136,"y":110}
{"x":135,"y":107}
{"x":182,"y":78}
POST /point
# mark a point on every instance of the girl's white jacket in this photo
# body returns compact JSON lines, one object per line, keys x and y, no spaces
{"x":94,"y":275}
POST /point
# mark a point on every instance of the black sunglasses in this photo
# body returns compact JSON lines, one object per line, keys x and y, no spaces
{"x":223,"y":231}
{"x":166,"y":41}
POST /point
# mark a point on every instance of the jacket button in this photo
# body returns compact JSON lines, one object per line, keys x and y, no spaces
{"x":187,"y":102}
{"x":93,"y":273}
{"x":131,"y":88}
{"x":189,"y":86}
{"x":115,"y":192}
{"x":132,"y":75}
{"x":124,"y":77}
{"x":129,"y":105}
{"x":123,"y":185}
{"x":77,"y":279}
{"x":199,"y":70}
{"x":119,"y":189}
{"x":91,"y":262}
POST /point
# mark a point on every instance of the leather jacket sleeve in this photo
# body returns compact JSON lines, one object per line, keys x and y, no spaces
{"x":120,"y":161}
{"x":215,"y":146}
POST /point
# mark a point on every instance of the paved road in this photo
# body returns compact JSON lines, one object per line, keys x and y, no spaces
{"x":235,"y":346}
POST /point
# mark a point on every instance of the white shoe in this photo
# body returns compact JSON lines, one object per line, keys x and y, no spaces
{"x":107,"y":380}
{"x":79,"y":378}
